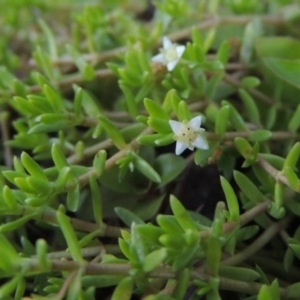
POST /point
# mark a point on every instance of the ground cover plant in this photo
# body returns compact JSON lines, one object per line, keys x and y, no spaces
{"x":149,"y":149}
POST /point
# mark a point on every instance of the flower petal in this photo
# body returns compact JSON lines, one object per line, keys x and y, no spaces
{"x":175,"y":125}
{"x":172,"y":64}
{"x":195,"y":123}
{"x":167,"y":43}
{"x":180,"y":50}
{"x":159,"y":58}
{"x":180,"y":147}
{"x":200,"y":143}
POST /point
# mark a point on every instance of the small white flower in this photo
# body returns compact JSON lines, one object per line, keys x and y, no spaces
{"x":170,"y":54}
{"x":188,"y":135}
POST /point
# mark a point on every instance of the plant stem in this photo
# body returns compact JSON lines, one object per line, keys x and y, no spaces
{"x":86,"y":252}
{"x":251,"y":288}
{"x":250,"y":250}
{"x":212,"y":21}
{"x":277,"y":175}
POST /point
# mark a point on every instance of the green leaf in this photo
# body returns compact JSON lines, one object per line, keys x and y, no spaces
{"x":243,"y":146}
{"x":58,"y":157}
{"x":127,"y":216}
{"x":294,"y":122}
{"x":70,"y":237}
{"x":167,"y":103}
{"x":264,"y":293}
{"x":181,"y":215}
{"x":292,"y":157}
{"x":87,"y":71}
{"x":129,"y":99}
{"x":235,"y":118}
{"x":17,"y":223}
{"x":250,"y":106}
{"x":54,"y":98}
{"x":41,"y":251}
{"x":50,"y":38}
{"x":113,"y":132}
{"x":9,"y":197}
{"x":293,"y":290}
{"x":172,"y":241}
{"x":96,"y":200}
{"x":169,"y":224}
{"x":285,"y":69}
{"x":89,"y":104}
{"x":248,"y":187}
{"x":20,"y":290}
{"x":74,"y":290}
{"x":155,"y":110}
{"x":260,"y":135}
{"x":23,"y":184}
{"x":169,"y":166}
{"x":124,"y":289}
{"x":213,"y":255}
{"x":145,"y":168}
{"x":149,"y":139}
{"x":154,"y":259}
{"x":238,"y":273}
{"x":183,"y":112}
{"x":43,"y":128}
{"x":288,"y":260}
{"x":41,"y":186}
{"x":175,"y":101}
{"x":24,"y":107}
{"x":78,"y":100}
{"x":247,"y":232}
{"x":159,"y":125}
{"x":165,"y":140}
{"x":222,"y":120}
{"x":249,"y":82}
{"x":223,"y":52}
{"x":32,"y":167}
{"x":231,"y":198}
{"x":150,"y":232}
{"x":182,"y":284}
{"x":44,"y":62}
{"x":73,"y":198}
{"x":62,"y":179}
{"x":7,"y":288}
{"x":274,"y":289}
{"x":99,"y":162}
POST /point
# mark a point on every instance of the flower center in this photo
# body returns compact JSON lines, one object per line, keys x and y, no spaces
{"x":171,"y":54}
{"x":186,"y":134}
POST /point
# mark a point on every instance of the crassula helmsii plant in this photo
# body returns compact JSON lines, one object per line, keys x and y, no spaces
{"x":109,"y":108}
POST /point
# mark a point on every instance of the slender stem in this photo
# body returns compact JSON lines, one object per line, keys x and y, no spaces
{"x":277,"y":175}
{"x":245,"y":218}
{"x":251,"y":288}
{"x":176,"y":36}
{"x":250,"y":250}
{"x":276,"y":267}
{"x":86,"y":252}
{"x":254,"y":92}
{"x":90,"y":151}
{"x":161,"y":272}
{"x":229,"y":136}
{"x":50,"y":217}
{"x":68,"y":81}
{"x":64,"y":288}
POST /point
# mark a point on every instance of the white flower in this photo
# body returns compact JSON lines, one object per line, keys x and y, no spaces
{"x":170,"y":54}
{"x":188,"y":135}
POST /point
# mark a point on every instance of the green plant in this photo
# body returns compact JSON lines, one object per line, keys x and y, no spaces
{"x":88,"y":100}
